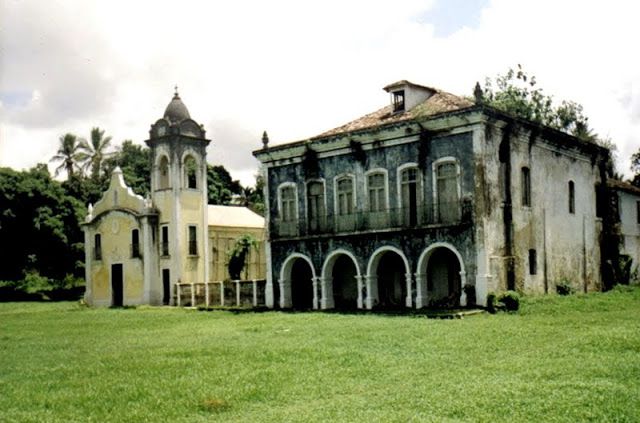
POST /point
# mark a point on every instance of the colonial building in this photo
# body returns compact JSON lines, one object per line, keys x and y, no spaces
{"x":137,"y":250}
{"x":433,"y":200}
{"x":628,"y":205}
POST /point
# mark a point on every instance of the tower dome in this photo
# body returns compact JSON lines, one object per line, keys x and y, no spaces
{"x":176,"y":111}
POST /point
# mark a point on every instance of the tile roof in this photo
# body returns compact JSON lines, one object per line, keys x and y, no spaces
{"x":234,"y":216}
{"x":439,"y":102}
{"x":623,"y":186}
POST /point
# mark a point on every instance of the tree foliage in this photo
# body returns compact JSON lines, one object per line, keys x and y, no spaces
{"x":96,"y":151}
{"x":135,"y":162}
{"x":70,"y":154}
{"x":39,"y":226}
{"x":635,"y":168}
{"x":238,"y":255}
{"x":221,"y":186}
{"x":518,"y":93}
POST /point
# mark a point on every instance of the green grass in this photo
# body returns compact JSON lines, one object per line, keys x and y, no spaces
{"x":567,"y":359}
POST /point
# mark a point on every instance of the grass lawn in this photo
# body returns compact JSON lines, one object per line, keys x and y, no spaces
{"x":567,"y":359}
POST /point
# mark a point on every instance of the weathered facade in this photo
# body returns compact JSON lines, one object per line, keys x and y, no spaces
{"x":628,"y":206}
{"x":137,"y":250}
{"x":430,"y":201}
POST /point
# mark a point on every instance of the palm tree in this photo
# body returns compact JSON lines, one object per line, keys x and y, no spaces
{"x":70,"y":155}
{"x":96,"y":151}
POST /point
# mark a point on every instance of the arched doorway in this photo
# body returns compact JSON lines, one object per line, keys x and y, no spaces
{"x":444,"y":285}
{"x":392,"y":287}
{"x":296,"y":288}
{"x":387,"y":279}
{"x":301,"y":285}
{"x":345,"y":286}
{"x":440,"y":277}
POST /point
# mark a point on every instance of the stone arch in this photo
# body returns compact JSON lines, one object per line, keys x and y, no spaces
{"x":345,"y":291}
{"x":190,"y":170}
{"x":288,"y":283}
{"x":164,"y":172}
{"x":391,"y":285}
{"x":423,"y":268}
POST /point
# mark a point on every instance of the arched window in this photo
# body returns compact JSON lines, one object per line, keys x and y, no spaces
{"x":316,"y":212}
{"x":377,"y":191}
{"x":190,"y":173}
{"x":572,"y":197}
{"x":447,"y":195}
{"x":288,"y":203}
{"x":409,"y":189}
{"x":526,"y":187}
{"x":344,"y":195}
{"x":163,"y":173}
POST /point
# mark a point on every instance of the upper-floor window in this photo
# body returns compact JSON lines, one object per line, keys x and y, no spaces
{"x":572,"y":197}
{"x":97,"y":247}
{"x":190,"y":173}
{"x":344,"y":195}
{"x":398,"y":101}
{"x":409,"y":188}
{"x":526,"y":187}
{"x":447,"y":193}
{"x":163,"y":173}
{"x":315,"y":204}
{"x":377,"y":191}
{"x":193,"y":242}
{"x":164,"y":237}
{"x":288,"y":203}
{"x":135,"y":243}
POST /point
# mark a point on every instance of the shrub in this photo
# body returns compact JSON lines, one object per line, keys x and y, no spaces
{"x":470,"y":292}
{"x":564,"y":288}
{"x":507,"y":301}
{"x":510,"y":300}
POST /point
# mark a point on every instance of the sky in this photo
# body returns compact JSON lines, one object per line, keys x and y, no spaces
{"x":294,"y":68}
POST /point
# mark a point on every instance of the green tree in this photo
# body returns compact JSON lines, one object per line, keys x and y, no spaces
{"x":518,"y":93}
{"x":221,"y":186}
{"x":635,"y":168}
{"x":96,"y":151}
{"x":39,"y":226}
{"x":238,"y":256}
{"x":70,"y":154}
{"x":135,"y":162}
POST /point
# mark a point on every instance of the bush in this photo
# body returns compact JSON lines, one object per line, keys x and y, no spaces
{"x":470,"y":292}
{"x":506,"y":301}
{"x":510,"y":300}
{"x":564,"y":288}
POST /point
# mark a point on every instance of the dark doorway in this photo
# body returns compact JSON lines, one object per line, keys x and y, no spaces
{"x":443,"y":279}
{"x":276,"y":294}
{"x":301,"y":285}
{"x":345,"y":287}
{"x":116,"y":285}
{"x":166,"y":287}
{"x":392,"y":287}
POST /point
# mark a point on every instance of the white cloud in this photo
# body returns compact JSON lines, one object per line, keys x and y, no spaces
{"x":292,"y":68}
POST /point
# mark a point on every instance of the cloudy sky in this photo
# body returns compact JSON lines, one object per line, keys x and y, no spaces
{"x":294,"y":68}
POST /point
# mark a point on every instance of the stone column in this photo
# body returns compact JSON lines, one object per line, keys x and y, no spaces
{"x":360,"y":286}
{"x":193,"y":294}
{"x":371,"y":284}
{"x":268,"y":294}
{"x":315,"y":281}
{"x":326,"y":287}
{"x":421,"y":290}
{"x":206,"y":294}
{"x":463,"y":282}
{"x":285,"y":293}
{"x":409,"y":280}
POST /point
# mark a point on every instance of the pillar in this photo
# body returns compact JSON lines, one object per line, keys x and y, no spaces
{"x":316,"y":300}
{"x":285,"y":293}
{"x":421,"y":290}
{"x":409,"y":280}
{"x":326,"y":288}
{"x":360,"y":285}
{"x":371,"y":285}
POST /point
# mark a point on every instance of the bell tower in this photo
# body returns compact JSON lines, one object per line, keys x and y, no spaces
{"x":179,"y":191}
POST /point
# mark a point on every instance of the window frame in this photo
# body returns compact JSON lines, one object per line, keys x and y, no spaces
{"x":295,"y":214}
{"x":135,"y":243}
{"x":186,"y":174}
{"x":307,"y":196}
{"x":525,"y":186}
{"x":97,"y":247}
{"x":164,"y":181}
{"x":336,"y":200}
{"x":192,"y":241}
{"x":398,"y":101}
{"x":572,"y":197}
{"x":164,"y":241}
{"x":533,"y":262}
{"x":385,"y":187}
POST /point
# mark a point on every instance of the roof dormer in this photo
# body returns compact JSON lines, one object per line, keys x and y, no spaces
{"x":406,"y":95}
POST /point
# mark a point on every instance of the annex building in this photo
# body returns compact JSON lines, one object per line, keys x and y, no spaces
{"x":139,"y":251}
{"x":433,"y":200}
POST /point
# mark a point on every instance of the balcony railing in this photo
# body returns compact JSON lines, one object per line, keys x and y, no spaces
{"x":395,"y":218}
